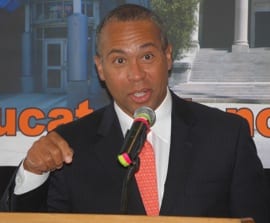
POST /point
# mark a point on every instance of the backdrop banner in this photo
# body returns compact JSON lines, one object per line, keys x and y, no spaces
{"x":227,"y":65}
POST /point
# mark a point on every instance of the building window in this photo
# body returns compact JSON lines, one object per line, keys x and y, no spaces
{"x":57,"y":10}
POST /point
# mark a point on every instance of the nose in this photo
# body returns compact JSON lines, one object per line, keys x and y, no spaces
{"x":136,"y":71}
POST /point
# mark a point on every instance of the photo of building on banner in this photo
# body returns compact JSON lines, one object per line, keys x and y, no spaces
{"x":48,"y":76}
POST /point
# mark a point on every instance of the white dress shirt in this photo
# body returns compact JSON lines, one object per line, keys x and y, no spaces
{"x":159,"y":136}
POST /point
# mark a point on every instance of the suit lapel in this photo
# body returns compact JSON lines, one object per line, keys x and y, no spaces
{"x":109,"y":141}
{"x":180,"y":159}
{"x":107,"y":149}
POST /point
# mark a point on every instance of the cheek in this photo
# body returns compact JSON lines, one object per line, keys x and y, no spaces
{"x":117,"y":90}
{"x":115,"y":82}
{"x":160,"y":74}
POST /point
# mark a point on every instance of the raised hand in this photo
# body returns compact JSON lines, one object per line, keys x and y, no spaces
{"x":48,"y":153}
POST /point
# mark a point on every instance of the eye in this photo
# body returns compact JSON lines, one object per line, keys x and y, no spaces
{"x":148,"y":56}
{"x":119,"y":60}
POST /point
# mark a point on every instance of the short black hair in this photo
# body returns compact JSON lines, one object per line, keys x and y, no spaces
{"x":132,"y":12}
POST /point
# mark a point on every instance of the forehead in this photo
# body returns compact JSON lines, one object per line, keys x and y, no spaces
{"x":118,"y":24}
{"x":129,"y":33}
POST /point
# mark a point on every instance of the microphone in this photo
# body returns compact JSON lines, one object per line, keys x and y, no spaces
{"x":144,"y":118}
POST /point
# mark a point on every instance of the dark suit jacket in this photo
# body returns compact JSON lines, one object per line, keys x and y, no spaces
{"x":213,"y":168}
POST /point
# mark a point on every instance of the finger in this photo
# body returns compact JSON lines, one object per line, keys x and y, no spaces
{"x":51,"y":152}
{"x":66,"y":150}
{"x":41,"y":161}
{"x":48,"y":153}
{"x":34,"y":165}
{"x":43,"y":156}
{"x":56,"y":160}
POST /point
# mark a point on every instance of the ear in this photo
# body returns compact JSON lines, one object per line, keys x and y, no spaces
{"x":168,"y":54}
{"x":98,"y":62}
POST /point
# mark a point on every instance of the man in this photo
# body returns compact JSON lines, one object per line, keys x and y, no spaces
{"x":207,"y":163}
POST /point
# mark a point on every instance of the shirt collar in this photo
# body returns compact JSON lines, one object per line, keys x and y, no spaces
{"x":162,"y":125}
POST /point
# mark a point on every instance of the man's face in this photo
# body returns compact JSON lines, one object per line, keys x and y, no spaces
{"x":133,"y":64}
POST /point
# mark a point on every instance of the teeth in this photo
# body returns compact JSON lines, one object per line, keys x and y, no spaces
{"x":139,"y":94}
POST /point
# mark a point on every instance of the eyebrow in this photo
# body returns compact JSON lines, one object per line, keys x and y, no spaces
{"x":115,"y":51}
{"x":145,"y":45}
{"x":150,"y":44}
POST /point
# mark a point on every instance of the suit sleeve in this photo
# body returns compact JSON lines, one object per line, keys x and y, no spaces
{"x":248,"y":189}
{"x":34,"y":200}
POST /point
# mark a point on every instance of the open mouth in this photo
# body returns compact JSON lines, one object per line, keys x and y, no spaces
{"x":141,"y":96}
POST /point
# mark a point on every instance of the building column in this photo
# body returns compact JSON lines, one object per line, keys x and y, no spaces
{"x":77,"y":60}
{"x":182,"y":66}
{"x":195,"y":33}
{"x":98,"y":93}
{"x":240,"y":43}
{"x":27,"y":81}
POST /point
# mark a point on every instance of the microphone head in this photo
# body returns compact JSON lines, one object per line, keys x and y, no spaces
{"x":146,"y":113}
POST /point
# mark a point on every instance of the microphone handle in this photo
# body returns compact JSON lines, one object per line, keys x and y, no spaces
{"x":134,"y":140}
